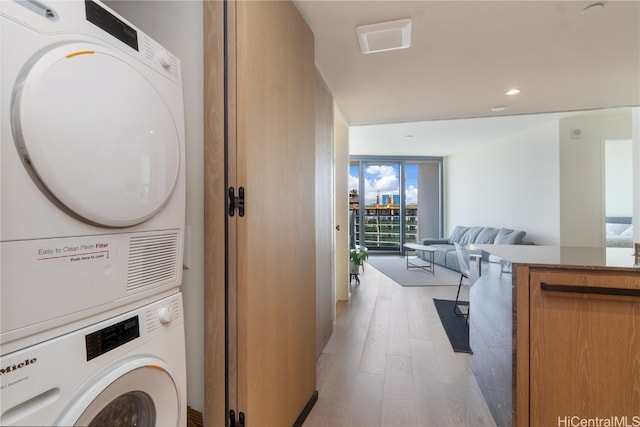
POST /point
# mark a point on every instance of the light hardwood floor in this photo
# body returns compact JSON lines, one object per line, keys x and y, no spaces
{"x":389,"y":362}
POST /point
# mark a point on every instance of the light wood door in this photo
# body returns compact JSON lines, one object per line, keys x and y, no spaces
{"x":275,"y":249}
{"x":215,"y":230}
{"x":325,"y":290}
{"x":584,"y":332}
{"x":341,"y":206}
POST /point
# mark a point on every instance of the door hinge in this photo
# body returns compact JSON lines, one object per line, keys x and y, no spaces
{"x":232,"y":419}
{"x":236,"y":202}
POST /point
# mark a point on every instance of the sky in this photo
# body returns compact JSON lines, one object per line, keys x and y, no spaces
{"x":384,"y":180}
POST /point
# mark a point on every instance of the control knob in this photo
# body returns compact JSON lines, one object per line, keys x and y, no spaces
{"x":164,"y":315}
{"x":163,"y":58}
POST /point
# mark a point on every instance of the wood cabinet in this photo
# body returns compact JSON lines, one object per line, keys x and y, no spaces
{"x":555,"y":334}
{"x":584,"y":345}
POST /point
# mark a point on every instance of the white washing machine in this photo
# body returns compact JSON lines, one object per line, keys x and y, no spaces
{"x":128,"y":370}
{"x":92,"y":166}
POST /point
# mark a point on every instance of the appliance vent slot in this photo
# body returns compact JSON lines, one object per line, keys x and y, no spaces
{"x":152,"y":260}
{"x":151,"y":316}
{"x":150,"y":49}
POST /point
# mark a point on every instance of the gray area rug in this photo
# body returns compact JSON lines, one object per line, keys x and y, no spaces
{"x":454,"y":325}
{"x":395,"y":267}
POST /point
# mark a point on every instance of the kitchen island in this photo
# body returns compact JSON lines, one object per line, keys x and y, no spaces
{"x":555,"y":334}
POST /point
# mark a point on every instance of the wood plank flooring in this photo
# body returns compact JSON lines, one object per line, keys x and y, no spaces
{"x":389,"y":362}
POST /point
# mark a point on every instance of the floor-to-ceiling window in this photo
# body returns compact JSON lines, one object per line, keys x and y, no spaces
{"x":394,"y":201}
{"x":411,"y":174}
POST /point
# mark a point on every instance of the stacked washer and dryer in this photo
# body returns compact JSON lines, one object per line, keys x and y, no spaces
{"x":92,"y":220}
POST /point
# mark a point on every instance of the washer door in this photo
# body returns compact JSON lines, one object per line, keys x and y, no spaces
{"x":96,"y":135}
{"x":140,"y":393}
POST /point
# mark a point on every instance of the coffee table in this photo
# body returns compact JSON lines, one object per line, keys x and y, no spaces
{"x":429,"y":266}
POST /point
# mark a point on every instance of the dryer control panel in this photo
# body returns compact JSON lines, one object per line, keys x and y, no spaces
{"x":111,"y":24}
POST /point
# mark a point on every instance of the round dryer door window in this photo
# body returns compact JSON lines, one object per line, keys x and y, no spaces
{"x":95,"y":134}
{"x":143,"y":396}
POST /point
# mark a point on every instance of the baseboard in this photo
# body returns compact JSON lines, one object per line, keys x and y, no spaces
{"x":307,"y":409}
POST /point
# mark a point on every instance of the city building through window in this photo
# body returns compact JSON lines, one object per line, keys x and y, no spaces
{"x":395,"y":201}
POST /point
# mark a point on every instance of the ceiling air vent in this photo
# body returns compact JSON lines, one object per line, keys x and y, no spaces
{"x":384,"y":36}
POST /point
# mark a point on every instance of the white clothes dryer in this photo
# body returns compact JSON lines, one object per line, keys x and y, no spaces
{"x":129,"y":370}
{"x":92,"y":165}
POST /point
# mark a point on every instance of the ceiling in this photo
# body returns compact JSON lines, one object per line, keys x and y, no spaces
{"x":465,"y":55}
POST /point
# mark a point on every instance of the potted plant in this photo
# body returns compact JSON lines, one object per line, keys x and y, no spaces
{"x":357,"y":258}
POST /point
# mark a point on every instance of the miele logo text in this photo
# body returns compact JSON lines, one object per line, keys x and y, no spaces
{"x":12,"y":368}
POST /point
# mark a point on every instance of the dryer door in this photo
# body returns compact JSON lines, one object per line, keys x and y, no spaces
{"x":140,"y":393}
{"x":95,"y":134}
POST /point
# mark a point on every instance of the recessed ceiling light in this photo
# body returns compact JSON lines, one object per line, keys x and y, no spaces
{"x":513,"y":91}
{"x":498,"y":108}
{"x":409,"y":136}
{"x":592,"y":8}
{"x":384,"y":36}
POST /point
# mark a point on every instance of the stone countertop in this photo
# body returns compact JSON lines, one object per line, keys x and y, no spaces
{"x":564,"y":256}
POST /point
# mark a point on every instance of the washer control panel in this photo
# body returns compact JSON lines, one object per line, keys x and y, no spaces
{"x":113,"y":336}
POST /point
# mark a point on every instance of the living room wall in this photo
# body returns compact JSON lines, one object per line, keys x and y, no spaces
{"x":513,"y":182}
{"x":582,"y":191}
{"x":547,"y":181}
{"x":618,"y":178}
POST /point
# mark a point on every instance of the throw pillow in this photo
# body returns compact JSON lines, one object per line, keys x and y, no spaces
{"x":509,"y":237}
{"x":457,"y":233}
{"x":470,"y":235}
{"x":487,"y":235}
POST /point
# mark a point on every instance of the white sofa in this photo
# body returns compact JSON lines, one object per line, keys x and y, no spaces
{"x":445,"y":254}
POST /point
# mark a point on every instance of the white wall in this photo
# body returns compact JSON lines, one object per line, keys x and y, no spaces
{"x":177,"y":25}
{"x":618,"y":178}
{"x":582,"y":191}
{"x":428,"y":200}
{"x":511,"y":183}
